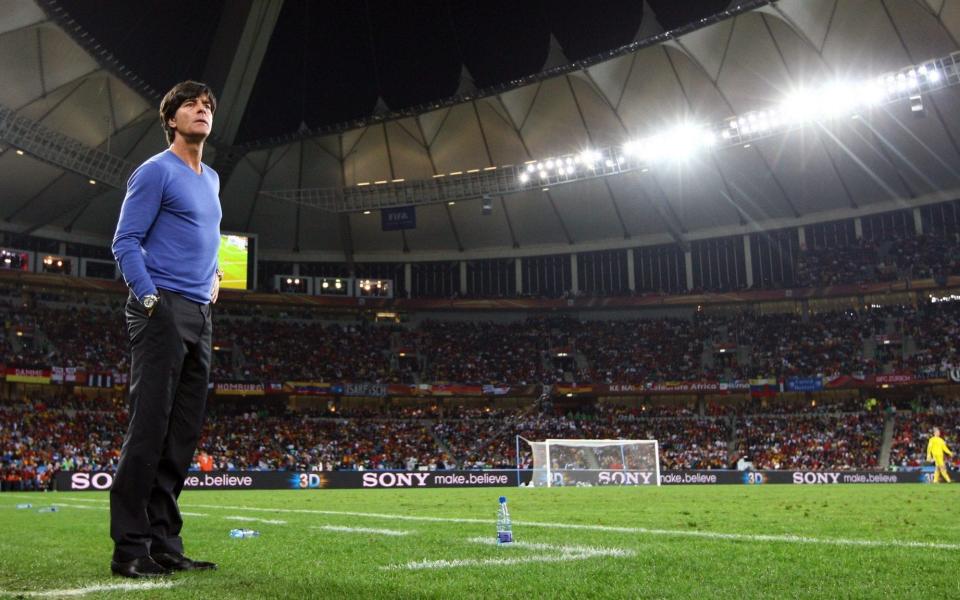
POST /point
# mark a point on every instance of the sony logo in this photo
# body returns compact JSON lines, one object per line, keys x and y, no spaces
{"x":389,"y":479}
{"x":806,"y":477}
{"x":84,"y":481}
{"x":624,"y":477}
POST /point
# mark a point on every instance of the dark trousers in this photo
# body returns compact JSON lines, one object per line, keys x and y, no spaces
{"x":169,"y":371}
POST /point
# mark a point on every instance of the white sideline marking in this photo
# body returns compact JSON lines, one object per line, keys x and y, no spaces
{"x":476,"y":562}
{"x":90,"y":589}
{"x":81,"y":506}
{"x":85,"y":507}
{"x":551,"y":553}
{"x":253,"y":519}
{"x":344,"y":529}
{"x":746,"y":537}
{"x":563,"y":549}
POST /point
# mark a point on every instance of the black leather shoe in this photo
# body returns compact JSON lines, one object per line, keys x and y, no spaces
{"x":179,"y":562}
{"x":138,"y":568}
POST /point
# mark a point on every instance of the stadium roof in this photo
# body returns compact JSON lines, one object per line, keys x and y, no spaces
{"x":72,"y":82}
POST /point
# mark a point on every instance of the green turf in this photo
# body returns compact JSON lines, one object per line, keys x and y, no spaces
{"x":233,"y":262}
{"x":71,"y":548}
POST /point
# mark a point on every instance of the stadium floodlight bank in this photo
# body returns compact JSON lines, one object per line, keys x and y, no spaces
{"x":566,"y":462}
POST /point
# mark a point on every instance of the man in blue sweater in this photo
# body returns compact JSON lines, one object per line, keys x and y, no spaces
{"x":166,"y":247}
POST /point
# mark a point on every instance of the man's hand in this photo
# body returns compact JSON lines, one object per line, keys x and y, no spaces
{"x":215,"y":290}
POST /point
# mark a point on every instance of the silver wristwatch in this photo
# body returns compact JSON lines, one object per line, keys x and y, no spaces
{"x":150,"y":301}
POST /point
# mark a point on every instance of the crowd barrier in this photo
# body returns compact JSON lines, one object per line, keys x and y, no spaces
{"x":292,"y":480}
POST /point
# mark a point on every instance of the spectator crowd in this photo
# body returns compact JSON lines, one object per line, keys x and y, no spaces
{"x":39,"y":438}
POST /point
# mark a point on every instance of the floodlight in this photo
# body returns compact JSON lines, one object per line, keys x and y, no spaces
{"x":836,"y":99}
{"x":872,"y":93}
{"x":916,"y":105}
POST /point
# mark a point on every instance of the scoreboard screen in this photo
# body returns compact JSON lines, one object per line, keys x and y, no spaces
{"x":237,"y":259}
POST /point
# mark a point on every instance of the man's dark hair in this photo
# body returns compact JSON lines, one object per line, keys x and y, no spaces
{"x":180,"y":93}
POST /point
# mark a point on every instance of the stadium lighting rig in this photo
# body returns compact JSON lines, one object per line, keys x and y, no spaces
{"x":819,"y":105}
{"x":803,"y":107}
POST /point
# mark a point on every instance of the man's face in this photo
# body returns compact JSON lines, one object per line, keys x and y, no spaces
{"x":194,"y":119}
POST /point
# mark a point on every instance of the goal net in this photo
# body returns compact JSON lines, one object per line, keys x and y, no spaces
{"x":594,"y":462}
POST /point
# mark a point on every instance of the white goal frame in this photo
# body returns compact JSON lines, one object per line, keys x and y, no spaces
{"x":590,"y":443}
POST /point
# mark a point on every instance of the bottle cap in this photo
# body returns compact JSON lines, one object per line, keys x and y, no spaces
{"x":503,"y":499}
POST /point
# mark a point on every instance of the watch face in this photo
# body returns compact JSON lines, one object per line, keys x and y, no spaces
{"x":149,"y":301}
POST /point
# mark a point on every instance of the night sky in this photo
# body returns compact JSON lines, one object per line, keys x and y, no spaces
{"x":327,"y":62}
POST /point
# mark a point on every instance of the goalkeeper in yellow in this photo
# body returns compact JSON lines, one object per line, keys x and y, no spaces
{"x":936,"y":448}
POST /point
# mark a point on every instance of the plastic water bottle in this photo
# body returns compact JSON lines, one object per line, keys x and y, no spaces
{"x":244,"y":533}
{"x":47,"y":509}
{"x":25,"y":505}
{"x":504,"y":525}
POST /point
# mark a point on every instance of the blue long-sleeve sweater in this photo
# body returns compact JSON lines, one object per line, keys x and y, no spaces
{"x":168,"y":234}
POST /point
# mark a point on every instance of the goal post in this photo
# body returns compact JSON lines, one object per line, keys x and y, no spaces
{"x":568,"y":462}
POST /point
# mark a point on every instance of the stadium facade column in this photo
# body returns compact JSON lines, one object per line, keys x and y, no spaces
{"x":631,"y":276}
{"x":518,"y":273}
{"x":858,"y":228}
{"x":748,"y":259}
{"x":463,"y":278}
{"x":917,"y":221}
{"x":408,"y":278}
{"x":688,"y":262}
{"x":574,"y":276}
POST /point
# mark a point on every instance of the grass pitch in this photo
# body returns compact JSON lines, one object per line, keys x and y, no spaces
{"x":855,"y":541}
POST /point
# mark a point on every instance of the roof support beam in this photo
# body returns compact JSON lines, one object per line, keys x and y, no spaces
{"x":586,"y":128}
{"x":236,"y":55}
{"x":61,"y":150}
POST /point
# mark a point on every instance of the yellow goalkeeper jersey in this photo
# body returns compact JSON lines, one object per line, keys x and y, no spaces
{"x":936,"y":448}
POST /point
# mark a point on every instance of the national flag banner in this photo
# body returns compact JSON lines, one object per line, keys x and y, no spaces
{"x":104,"y":380}
{"x":28,"y":374}
{"x":401,"y":217}
{"x":838,"y":381}
{"x":763,"y":388}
